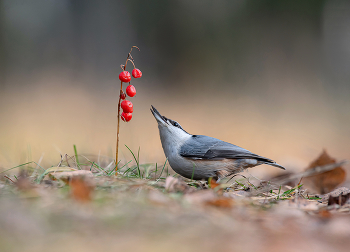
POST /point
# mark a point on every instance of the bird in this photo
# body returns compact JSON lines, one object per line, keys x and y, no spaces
{"x":201,"y":157}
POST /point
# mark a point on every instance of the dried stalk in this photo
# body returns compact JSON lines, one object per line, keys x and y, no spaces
{"x":129,"y":58}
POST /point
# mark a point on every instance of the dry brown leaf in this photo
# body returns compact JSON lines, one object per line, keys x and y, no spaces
{"x":222,"y":202}
{"x":327,"y":181}
{"x":213,"y":183}
{"x":81,"y":189}
{"x":340,"y":200}
{"x":335,"y":193}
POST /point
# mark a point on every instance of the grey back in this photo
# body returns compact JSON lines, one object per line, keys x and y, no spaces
{"x":204,"y":147}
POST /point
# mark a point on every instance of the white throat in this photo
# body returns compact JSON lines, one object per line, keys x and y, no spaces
{"x":172,"y":139}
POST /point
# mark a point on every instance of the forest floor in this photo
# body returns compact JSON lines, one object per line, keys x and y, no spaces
{"x":86,"y":207}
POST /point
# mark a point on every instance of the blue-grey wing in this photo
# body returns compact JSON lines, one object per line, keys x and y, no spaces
{"x":204,"y":147}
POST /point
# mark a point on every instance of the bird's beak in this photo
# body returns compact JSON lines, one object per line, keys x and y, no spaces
{"x":158,"y":116}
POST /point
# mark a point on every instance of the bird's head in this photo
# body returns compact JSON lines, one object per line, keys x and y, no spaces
{"x":168,"y":127}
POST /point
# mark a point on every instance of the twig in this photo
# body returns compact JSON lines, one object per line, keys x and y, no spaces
{"x":307,"y":173}
{"x":317,"y":170}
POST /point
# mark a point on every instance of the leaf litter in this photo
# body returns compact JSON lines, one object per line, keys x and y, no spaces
{"x":75,"y":206}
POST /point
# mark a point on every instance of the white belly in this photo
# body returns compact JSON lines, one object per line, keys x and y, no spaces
{"x":197,"y":168}
{"x":204,"y":169}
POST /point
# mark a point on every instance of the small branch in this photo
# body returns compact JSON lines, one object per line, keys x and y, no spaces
{"x":132,"y":62}
{"x":309,"y":172}
{"x":275,"y":183}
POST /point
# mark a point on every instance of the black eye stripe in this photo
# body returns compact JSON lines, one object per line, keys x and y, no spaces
{"x":174,"y":123}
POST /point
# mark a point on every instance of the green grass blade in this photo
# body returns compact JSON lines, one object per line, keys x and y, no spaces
{"x":286,"y":193}
{"x":279,"y":191}
{"x":116,"y":165}
{"x":242,"y":185}
{"x":194,"y":166}
{"x":136,"y":160}
{"x":76,"y":155}
{"x":97,"y":166}
{"x":113,"y":171}
{"x":162,"y":169}
{"x":21,"y":166}
{"x":41,"y":176}
{"x":155,"y":173}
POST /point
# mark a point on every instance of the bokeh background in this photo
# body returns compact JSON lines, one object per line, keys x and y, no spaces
{"x":270,"y":76}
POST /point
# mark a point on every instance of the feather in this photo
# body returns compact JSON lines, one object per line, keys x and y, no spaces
{"x":204,"y":147}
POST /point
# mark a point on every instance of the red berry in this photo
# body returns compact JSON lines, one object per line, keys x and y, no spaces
{"x":136,"y":73}
{"x":131,"y":91}
{"x":126,"y":116}
{"x":122,"y":96}
{"x":125,"y":76}
{"x":127,"y":106}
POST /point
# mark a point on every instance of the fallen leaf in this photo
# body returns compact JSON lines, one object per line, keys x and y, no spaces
{"x":59,"y":169}
{"x":213,"y":183}
{"x":222,"y":202}
{"x":335,"y":193}
{"x":68,"y":175}
{"x":340,"y":200}
{"x":327,"y":181}
{"x":81,"y":189}
{"x":54,"y":170}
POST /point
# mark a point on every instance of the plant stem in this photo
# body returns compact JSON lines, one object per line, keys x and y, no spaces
{"x":116,"y":150}
{"x":128,"y":58}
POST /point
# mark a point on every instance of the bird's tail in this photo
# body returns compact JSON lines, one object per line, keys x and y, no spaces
{"x":275,"y":165}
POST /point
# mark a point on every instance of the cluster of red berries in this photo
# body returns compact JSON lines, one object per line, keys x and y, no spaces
{"x":126,"y":105}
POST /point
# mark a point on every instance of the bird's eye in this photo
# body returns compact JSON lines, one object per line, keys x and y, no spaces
{"x":176,"y":124}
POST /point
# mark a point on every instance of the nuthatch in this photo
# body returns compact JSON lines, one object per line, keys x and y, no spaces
{"x":202,"y":157}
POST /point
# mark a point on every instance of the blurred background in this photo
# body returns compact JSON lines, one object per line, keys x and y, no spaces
{"x":270,"y":76}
